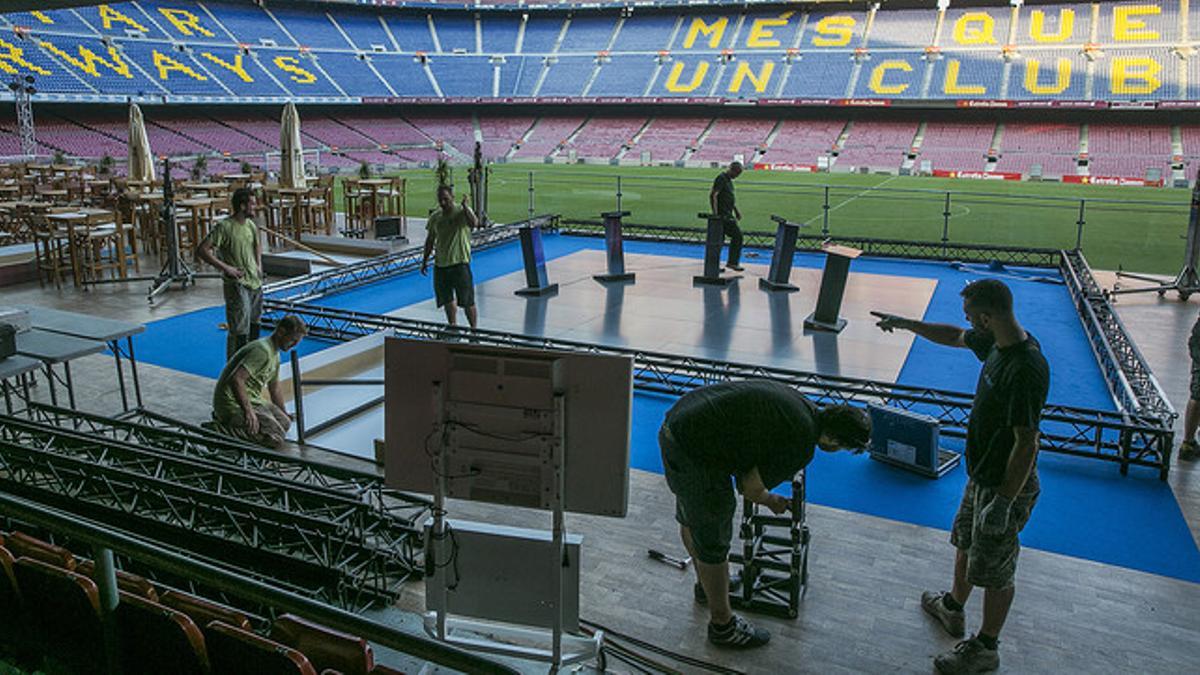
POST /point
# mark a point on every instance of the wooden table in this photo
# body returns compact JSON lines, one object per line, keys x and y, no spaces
{"x":373,"y":203}
{"x":145,"y":216}
{"x":206,"y":188}
{"x":235,"y":176}
{"x":86,"y":216}
{"x":297,"y":195}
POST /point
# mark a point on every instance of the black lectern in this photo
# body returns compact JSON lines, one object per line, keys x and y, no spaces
{"x":614,"y":246}
{"x":833,"y":287}
{"x":538,"y":283}
{"x":713,"y":243}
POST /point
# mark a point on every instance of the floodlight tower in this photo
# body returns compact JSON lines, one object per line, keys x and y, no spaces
{"x":22,"y":89}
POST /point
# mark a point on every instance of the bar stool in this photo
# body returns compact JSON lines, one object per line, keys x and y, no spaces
{"x":50,"y":248}
{"x":353,"y":199}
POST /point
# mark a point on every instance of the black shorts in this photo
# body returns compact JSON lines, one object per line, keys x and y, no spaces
{"x":1194,"y":352}
{"x":704,"y":500}
{"x":454,"y":284}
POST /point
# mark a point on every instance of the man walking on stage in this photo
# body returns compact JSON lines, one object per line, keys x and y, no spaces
{"x":759,"y":433}
{"x":1001,"y":452}
{"x":722,"y":202}
{"x":449,"y":233}
{"x":232,"y":246}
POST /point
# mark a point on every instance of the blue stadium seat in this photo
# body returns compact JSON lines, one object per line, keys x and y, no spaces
{"x":645,"y":32}
{"x":829,"y":30}
{"x":310,"y":28}
{"x":365,"y":29}
{"x":755,"y":71}
{"x":624,"y":76}
{"x":48,"y":74}
{"x":980,"y":75}
{"x":62,"y":21}
{"x":455,"y":32}
{"x":251,"y":67}
{"x":519,"y":75}
{"x":411,"y":31}
{"x":352,"y":73}
{"x":247,"y":23}
{"x":588,"y":34}
{"x":567,"y":77}
{"x":1046,"y":75}
{"x":405,"y":75}
{"x":687,"y":76}
{"x":297,"y":72}
{"x":109,"y":80}
{"x":176,"y":71}
{"x":463,"y":75}
{"x":819,"y":74}
{"x":1148,"y":73}
{"x":186,"y":21}
{"x":540,"y":34}
{"x":500,"y":33}
{"x":119,"y":19}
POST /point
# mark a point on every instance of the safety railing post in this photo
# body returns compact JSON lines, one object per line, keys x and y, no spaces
{"x":1079,"y":223}
{"x":618,"y":193}
{"x":531,"y":194}
{"x":297,"y":395}
{"x":825,"y":213}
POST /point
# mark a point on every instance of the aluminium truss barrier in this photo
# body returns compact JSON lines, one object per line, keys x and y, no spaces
{"x":880,"y":248}
{"x":1128,"y":375}
{"x":154,"y":430}
{"x":1128,"y":438}
{"x":323,"y":540}
{"x":319,"y":284}
{"x":774,"y":557}
{"x":102,"y":537}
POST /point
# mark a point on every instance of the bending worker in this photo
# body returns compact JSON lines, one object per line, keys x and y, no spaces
{"x":239,"y":408}
{"x":758,"y":433}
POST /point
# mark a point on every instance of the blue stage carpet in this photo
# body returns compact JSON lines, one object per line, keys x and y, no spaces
{"x":1087,"y":509}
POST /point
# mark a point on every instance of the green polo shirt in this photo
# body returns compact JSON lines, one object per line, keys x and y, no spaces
{"x":234,"y":241}
{"x":261,"y":360}
{"x":451,"y":237}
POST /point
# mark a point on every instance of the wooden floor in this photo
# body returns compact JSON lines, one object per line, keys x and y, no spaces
{"x":861,"y":613}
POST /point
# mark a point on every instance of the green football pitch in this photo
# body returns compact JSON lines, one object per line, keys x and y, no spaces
{"x":1138,"y":229}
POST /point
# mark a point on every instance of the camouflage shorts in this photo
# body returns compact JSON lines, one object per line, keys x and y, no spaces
{"x":992,"y":559}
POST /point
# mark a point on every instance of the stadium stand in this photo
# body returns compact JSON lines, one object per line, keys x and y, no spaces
{"x":546,"y":136}
{"x":952,"y":145}
{"x":603,"y":138}
{"x":876,"y":145}
{"x":1053,"y":146}
{"x":1124,"y":150}
{"x":727,"y":139}
{"x":803,"y":141}
{"x":667,"y":139}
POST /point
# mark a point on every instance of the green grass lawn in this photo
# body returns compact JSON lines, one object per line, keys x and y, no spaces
{"x":1139,"y":229}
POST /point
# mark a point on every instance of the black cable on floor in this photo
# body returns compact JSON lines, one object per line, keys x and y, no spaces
{"x":682,"y":658}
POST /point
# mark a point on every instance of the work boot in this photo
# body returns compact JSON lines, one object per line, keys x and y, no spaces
{"x":738,"y":634}
{"x":955,"y":623}
{"x":735,"y":584}
{"x":1189,"y":450}
{"x":968,"y":656}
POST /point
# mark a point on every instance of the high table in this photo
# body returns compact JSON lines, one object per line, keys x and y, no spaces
{"x":85,"y":216}
{"x":52,"y":348}
{"x":16,"y":367}
{"x":110,"y":331}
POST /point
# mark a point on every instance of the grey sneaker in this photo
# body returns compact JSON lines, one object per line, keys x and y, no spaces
{"x":738,"y":634}
{"x":955,"y":623}
{"x":735,"y":585}
{"x":1189,"y":450}
{"x":968,"y":656}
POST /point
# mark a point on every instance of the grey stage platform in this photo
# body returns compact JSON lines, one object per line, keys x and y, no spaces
{"x":661,"y":312}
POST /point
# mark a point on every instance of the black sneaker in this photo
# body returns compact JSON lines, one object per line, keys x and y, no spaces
{"x":1189,"y":451}
{"x":735,"y":584}
{"x":738,"y":634}
{"x":735,"y":267}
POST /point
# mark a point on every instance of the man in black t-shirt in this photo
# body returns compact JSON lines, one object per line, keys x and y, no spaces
{"x":722,"y":202}
{"x":758,"y":433}
{"x":1001,"y":452}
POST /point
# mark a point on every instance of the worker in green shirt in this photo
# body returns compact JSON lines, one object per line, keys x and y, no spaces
{"x":232,"y":246}
{"x":239,"y":407}
{"x":449,"y":233}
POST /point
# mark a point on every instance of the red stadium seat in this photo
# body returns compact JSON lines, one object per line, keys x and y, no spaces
{"x":24,"y":546}
{"x":63,"y":609}
{"x":156,"y":639}
{"x":234,"y":651}
{"x":384,"y":670}
{"x":203,"y":612}
{"x":10,"y":600}
{"x":327,"y":649}
{"x":126,"y":582}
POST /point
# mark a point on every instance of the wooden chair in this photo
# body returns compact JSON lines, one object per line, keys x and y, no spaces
{"x":100,"y":248}
{"x":353,"y":200}
{"x":50,"y":247}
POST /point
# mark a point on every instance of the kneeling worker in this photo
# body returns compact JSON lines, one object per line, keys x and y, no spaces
{"x":760,"y":433}
{"x":239,"y":408}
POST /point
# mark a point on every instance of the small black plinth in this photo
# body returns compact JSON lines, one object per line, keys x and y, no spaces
{"x":538,"y":291}
{"x":768,"y":285}
{"x":624,"y":277}
{"x":812,"y":324}
{"x":701,"y":280}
